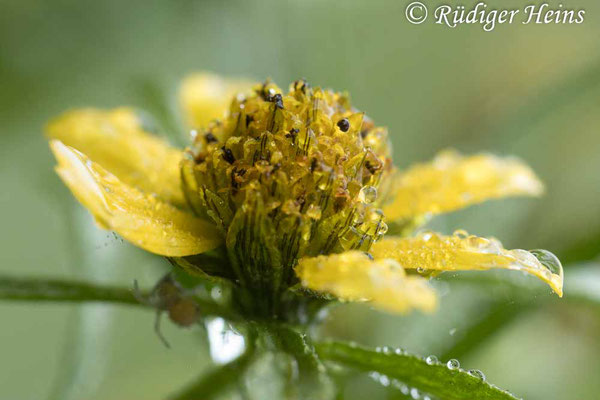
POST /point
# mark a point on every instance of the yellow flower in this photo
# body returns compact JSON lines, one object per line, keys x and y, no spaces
{"x":297,"y":188}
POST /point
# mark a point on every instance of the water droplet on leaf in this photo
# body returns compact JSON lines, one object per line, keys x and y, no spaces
{"x":453,"y":364}
{"x":431,"y":360}
{"x":477,"y":374}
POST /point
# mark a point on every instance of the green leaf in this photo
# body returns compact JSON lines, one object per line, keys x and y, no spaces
{"x":430,"y":377}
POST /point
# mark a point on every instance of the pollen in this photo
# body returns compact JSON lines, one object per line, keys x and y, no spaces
{"x":286,"y":175}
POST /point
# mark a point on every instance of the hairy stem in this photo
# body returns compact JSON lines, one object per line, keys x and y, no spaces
{"x":35,"y":289}
{"x":64,"y":291}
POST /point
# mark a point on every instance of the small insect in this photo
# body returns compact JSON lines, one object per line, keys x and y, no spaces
{"x":170,"y":297}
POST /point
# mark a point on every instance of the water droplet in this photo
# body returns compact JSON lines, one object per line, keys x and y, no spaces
{"x":404,"y":389}
{"x":453,"y":364}
{"x":452,"y":331}
{"x":400,"y":351}
{"x":368,"y":194}
{"x":383,"y":228}
{"x":461,"y":234}
{"x":426,"y":235}
{"x":386,"y":350}
{"x":384,"y":380}
{"x":548,"y":260}
{"x":215,"y":293}
{"x":477,"y":374}
{"x":431,"y":360}
{"x":415,"y":394}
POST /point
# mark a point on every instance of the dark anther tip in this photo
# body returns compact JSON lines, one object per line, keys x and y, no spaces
{"x":228,"y":155}
{"x":278,"y":100}
{"x":343,"y":124}
{"x":210,"y":138}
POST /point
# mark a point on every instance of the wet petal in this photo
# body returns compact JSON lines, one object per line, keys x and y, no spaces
{"x":205,"y":96}
{"x":141,"y":218}
{"x":452,"y":181}
{"x":355,"y":276}
{"x":432,"y":251}
{"x":116,"y":140}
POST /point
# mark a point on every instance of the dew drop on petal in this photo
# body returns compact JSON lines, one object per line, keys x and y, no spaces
{"x":461,"y":233}
{"x":548,"y":260}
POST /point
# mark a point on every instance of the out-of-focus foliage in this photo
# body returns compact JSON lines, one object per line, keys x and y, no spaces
{"x":527,"y":90}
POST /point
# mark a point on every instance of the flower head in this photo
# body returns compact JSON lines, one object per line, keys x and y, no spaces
{"x":298,"y":187}
{"x":288,"y":175}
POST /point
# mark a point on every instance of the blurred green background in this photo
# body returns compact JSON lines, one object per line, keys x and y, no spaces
{"x":528,"y":90}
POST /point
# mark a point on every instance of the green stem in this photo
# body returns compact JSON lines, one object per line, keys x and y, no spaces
{"x":312,"y":380}
{"x":222,"y":378}
{"x":62,"y":291}
{"x":27,"y":289}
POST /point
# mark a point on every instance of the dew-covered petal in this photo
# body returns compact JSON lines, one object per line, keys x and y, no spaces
{"x":355,"y":276}
{"x":430,"y":251}
{"x":205,"y":96}
{"x":453,"y":181}
{"x":141,"y":218}
{"x":117,"y":140}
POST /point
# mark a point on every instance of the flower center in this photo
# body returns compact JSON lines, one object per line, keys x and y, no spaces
{"x":286,"y":176}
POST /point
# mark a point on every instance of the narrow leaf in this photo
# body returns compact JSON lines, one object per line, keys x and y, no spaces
{"x":428,"y":376}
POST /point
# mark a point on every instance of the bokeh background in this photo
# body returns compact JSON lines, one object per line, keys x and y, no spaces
{"x":528,"y":90}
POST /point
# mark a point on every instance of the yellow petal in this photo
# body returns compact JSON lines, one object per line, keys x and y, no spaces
{"x":355,"y":276}
{"x":432,"y":251}
{"x":141,"y":218}
{"x":205,"y":96}
{"x":452,"y":181}
{"x":116,"y":140}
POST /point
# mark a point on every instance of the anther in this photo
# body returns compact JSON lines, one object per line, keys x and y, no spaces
{"x":343,"y":124}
